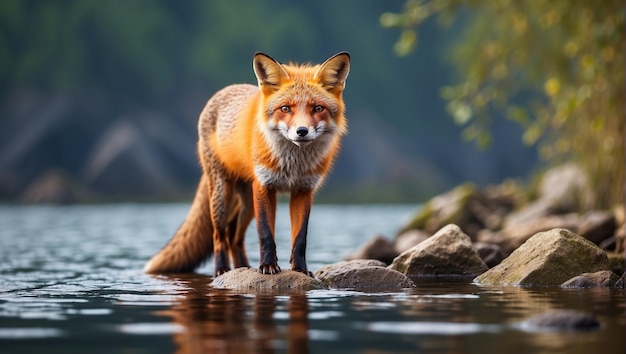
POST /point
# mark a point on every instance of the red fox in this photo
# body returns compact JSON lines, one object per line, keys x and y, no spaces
{"x":255,"y":142}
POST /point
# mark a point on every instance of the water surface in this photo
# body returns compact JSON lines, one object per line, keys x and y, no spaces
{"x":71,"y":281}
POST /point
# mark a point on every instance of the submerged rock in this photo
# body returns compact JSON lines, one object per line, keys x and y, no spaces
{"x":251,"y":279}
{"x":601,"y":279}
{"x":547,"y":258}
{"x":564,"y":320}
{"x":449,"y":252}
{"x":363,"y":275}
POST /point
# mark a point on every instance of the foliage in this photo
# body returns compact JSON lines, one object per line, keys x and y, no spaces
{"x":554,"y":66}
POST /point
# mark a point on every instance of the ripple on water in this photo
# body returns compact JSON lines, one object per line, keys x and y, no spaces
{"x":29,"y":333}
{"x":433,"y":328}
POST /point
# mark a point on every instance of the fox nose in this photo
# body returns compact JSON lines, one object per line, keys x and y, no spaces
{"x":302,"y":131}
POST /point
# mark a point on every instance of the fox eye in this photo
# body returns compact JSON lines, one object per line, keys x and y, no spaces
{"x":285,"y":109}
{"x":318,"y":109}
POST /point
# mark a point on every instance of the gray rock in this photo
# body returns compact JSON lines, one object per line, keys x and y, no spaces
{"x":547,"y":258}
{"x":251,"y":279}
{"x":408,"y":239}
{"x":563,"y":189}
{"x":562,"y":320}
{"x":597,"y":226}
{"x":601,"y":279}
{"x":621,"y":283}
{"x":510,"y":238}
{"x":54,"y":187}
{"x":449,"y":252}
{"x":379,"y":248}
{"x":363,"y":275}
{"x":447,"y":208}
{"x":490,"y":254}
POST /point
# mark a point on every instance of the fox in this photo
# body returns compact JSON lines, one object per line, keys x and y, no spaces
{"x":254,"y":142}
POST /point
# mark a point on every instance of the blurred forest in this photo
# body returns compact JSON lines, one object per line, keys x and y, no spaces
{"x":100,"y":99}
{"x":556,"y":67}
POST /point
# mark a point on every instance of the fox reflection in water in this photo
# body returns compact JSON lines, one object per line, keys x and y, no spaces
{"x":224,"y":321}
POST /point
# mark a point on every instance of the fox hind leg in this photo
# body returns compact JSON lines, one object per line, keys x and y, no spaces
{"x":239,"y":224}
{"x":222,"y":204}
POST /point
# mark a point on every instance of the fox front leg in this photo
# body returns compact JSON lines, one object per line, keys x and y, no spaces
{"x":265,"y":214}
{"x":299,"y":209}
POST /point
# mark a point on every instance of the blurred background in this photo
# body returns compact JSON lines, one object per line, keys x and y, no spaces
{"x":99,"y":100}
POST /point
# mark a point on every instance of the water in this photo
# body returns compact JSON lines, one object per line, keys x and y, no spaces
{"x":71,"y":282}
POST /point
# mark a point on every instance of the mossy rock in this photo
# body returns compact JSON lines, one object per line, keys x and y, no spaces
{"x":547,"y":259}
{"x":447,"y":208}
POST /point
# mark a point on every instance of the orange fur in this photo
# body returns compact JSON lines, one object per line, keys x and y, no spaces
{"x":254,"y":142}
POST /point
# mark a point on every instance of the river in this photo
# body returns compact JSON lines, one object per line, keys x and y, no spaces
{"x":71,"y":282}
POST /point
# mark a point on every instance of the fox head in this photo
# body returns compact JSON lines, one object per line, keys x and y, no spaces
{"x":303,"y":102}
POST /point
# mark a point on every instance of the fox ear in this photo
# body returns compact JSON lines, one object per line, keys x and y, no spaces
{"x":268,"y":72}
{"x":334,"y":71}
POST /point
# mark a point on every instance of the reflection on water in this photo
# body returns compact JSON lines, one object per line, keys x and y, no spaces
{"x":228,"y":322}
{"x":71,"y":282}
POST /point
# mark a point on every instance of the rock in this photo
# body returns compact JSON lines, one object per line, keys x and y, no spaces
{"x":492,"y":204}
{"x":126,"y":161}
{"x":251,"y":279}
{"x":447,"y":253}
{"x":447,"y":208}
{"x":470,"y":208}
{"x":616,"y":262}
{"x":601,"y":279}
{"x":54,"y":187}
{"x":490,"y":254}
{"x":621,"y":283}
{"x":597,"y":226}
{"x":512,"y":237}
{"x":563,"y":189}
{"x":564,"y":320}
{"x":379,"y":248}
{"x":620,"y":240}
{"x":408,"y":239}
{"x":547,"y":258}
{"x":363,"y":275}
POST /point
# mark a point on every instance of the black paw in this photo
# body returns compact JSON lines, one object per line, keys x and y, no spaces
{"x":269,"y":268}
{"x":303,"y":271}
{"x":221,"y":271}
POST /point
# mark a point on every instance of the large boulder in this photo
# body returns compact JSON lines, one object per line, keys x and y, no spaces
{"x":547,"y":258}
{"x":251,"y":279}
{"x":449,"y":252}
{"x":363,"y":275}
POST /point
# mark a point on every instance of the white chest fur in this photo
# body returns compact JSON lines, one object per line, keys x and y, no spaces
{"x":296,"y":165}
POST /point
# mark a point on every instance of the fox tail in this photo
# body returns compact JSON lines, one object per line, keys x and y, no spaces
{"x":193,"y":242}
